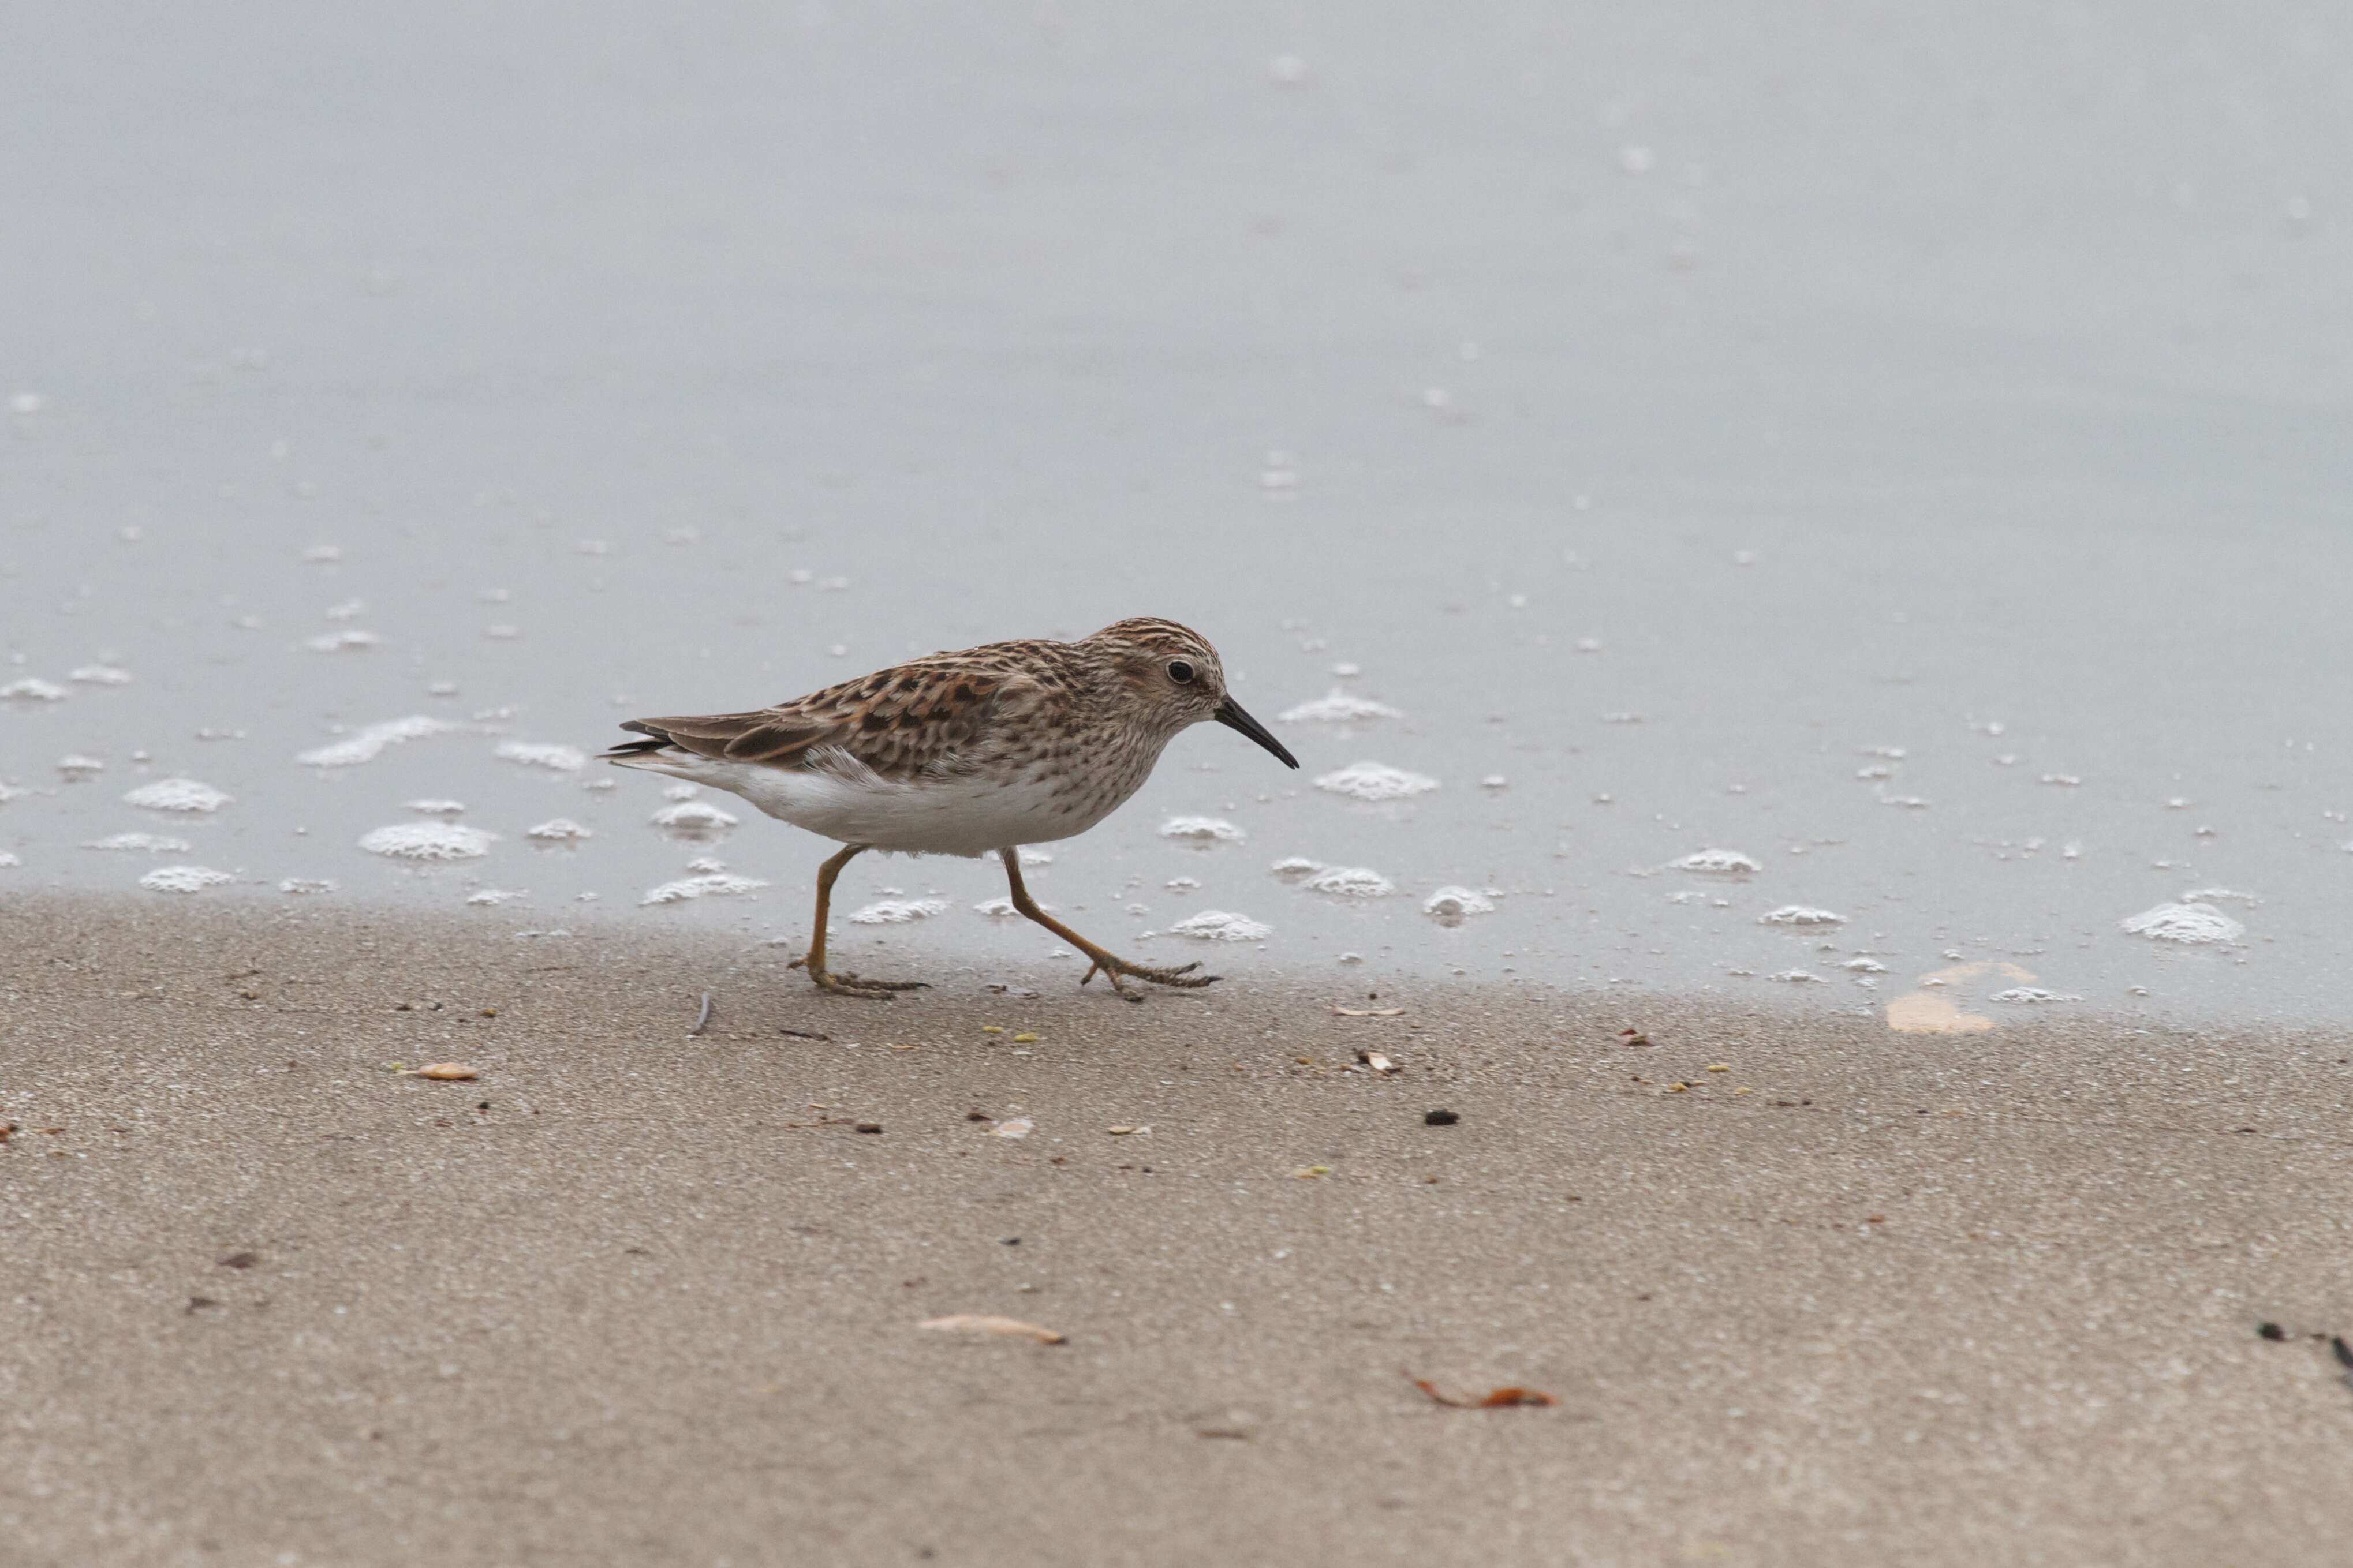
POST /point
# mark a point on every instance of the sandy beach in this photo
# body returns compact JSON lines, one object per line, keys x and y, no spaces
{"x":633,"y":1297}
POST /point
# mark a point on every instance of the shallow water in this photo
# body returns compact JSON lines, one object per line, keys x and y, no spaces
{"x":1911,"y":461}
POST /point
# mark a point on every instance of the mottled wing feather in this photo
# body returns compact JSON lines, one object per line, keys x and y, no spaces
{"x":919,"y":718}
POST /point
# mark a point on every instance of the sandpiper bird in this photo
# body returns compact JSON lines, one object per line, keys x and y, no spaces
{"x":961,"y":753}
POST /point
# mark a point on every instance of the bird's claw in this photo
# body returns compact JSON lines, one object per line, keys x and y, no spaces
{"x":847,"y":985}
{"x":1111,"y":967}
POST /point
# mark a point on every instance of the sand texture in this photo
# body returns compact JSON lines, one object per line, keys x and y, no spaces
{"x":630,"y":1297}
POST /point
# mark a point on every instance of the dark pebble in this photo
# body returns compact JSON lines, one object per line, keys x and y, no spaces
{"x":869,"y":1127}
{"x":241,"y":1261}
{"x":2272,"y":1332}
{"x":2343,"y":1353}
{"x":1438,"y":1118}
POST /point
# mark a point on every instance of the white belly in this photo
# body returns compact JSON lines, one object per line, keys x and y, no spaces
{"x":956,"y":815}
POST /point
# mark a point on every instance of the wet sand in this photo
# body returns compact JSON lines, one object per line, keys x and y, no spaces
{"x":632,"y":1296}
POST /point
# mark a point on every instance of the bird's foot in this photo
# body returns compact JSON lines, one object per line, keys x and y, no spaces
{"x":843,"y":984}
{"x":1111,"y":967}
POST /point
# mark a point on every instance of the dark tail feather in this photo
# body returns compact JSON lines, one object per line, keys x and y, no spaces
{"x":639,"y":748}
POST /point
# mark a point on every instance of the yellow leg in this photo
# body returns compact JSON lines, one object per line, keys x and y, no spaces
{"x":1111,"y":965}
{"x":842,"y":985}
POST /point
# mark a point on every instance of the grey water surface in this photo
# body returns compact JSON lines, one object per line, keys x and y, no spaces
{"x":1910,"y":450}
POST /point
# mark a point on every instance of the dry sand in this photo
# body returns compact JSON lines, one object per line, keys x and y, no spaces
{"x":634,"y":1298}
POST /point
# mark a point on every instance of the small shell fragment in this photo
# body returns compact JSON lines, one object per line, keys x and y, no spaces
{"x":1020,"y":1127}
{"x":445,"y":1072}
{"x":1377,"y":1062}
{"x":980,"y":1324}
{"x":1369,"y":1012}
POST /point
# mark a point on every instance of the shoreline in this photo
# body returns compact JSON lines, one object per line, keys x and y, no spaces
{"x":631,"y":1296}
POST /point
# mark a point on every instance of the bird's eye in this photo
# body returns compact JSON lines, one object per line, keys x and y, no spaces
{"x":1179,"y":671}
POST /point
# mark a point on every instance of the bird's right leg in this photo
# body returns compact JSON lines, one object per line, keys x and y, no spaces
{"x":843,"y":984}
{"x":1099,"y":957}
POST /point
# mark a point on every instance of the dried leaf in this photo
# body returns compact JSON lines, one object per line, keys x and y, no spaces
{"x":1369,"y":1012}
{"x":1377,"y":1062}
{"x":447,"y":1072}
{"x":1493,"y":1399}
{"x":976,"y":1323}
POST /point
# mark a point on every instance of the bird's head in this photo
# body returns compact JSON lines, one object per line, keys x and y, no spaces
{"x":1171,"y":674}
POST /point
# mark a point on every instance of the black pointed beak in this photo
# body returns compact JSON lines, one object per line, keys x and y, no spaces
{"x":1229,"y":713}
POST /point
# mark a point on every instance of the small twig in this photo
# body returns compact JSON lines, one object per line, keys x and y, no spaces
{"x":805,"y":1034}
{"x":701,"y":1019}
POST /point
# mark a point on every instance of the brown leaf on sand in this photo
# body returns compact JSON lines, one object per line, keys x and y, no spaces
{"x":447,"y":1072}
{"x":976,"y":1323}
{"x":1493,"y":1399}
{"x":1369,"y":1012}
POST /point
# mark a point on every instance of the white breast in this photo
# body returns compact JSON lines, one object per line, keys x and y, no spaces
{"x":844,"y":800}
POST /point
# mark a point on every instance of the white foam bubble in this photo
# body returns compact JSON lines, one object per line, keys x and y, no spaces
{"x":369,"y":743}
{"x":1182,"y":884}
{"x":998,"y":908}
{"x":149,"y":843}
{"x":1202,"y":830}
{"x":1800,"y":915}
{"x":1337,"y":707}
{"x":1221,"y":925}
{"x":541,"y":754}
{"x":177,"y":794}
{"x":1295,"y":868}
{"x":704,"y":885}
{"x":492,"y":897}
{"x":78,"y":767}
{"x":184,"y":878}
{"x":558,"y":830}
{"x":2032,"y":994}
{"x":1375,"y":781}
{"x":1494,"y":781}
{"x":1797,"y":977}
{"x":1457,"y":903}
{"x":1033,"y":858}
{"x":1864,"y":966}
{"x":351,"y":639}
{"x":308,"y":885}
{"x":32,"y":688}
{"x":896,"y":911}
{"x":1717,"y":863}
{"x":2220,"y":896}
{"x":1350,"y":882}
{"x":427,"y":841}
{"x":9,"y":857}
{"x":100,"y":675}
{"x":2185,"y":923}
{"x":438,"y":807}
{"x":693,"y":816}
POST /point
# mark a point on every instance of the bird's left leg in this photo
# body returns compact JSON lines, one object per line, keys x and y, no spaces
{"x":843,"y":984}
